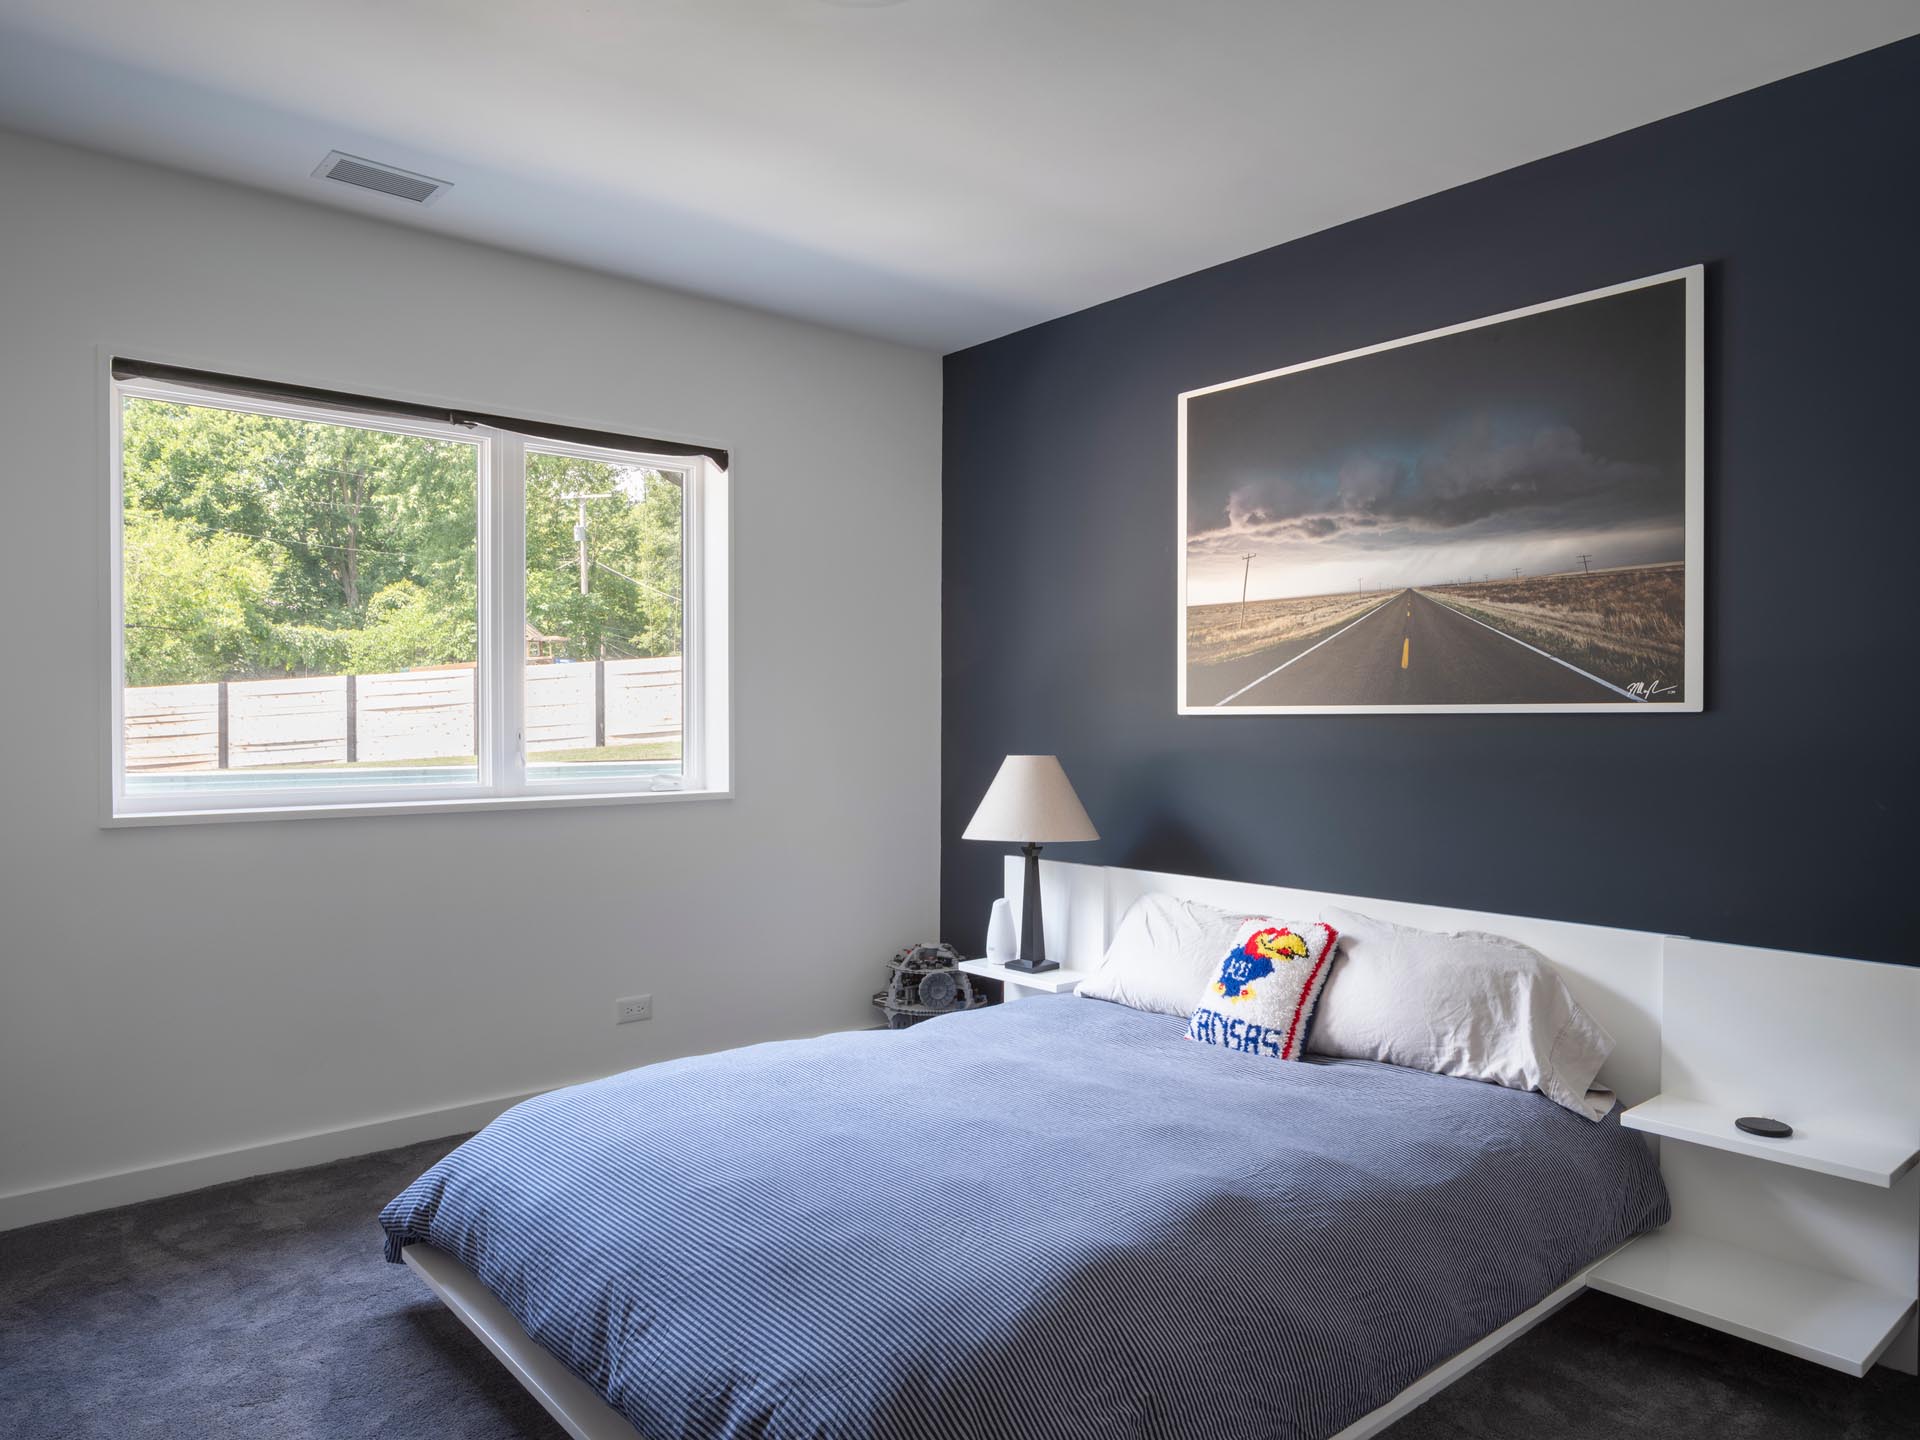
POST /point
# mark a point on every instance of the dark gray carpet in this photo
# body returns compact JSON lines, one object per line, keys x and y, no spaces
{"x":263,"y":1309}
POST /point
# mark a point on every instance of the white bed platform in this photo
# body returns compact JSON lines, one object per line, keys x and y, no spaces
{"x":564,"y":1395}
{"x":585,"y":1416}
{"x":1812,"y":1248}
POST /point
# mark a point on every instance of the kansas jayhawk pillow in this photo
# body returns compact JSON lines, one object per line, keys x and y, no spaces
{"x":1262,"y":997}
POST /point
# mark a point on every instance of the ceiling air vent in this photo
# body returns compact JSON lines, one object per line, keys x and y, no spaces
{"x":381,"y":179}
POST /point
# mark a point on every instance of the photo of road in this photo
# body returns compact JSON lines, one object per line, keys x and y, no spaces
{"x":1501,"y":514}
{"x":1408,"y":650}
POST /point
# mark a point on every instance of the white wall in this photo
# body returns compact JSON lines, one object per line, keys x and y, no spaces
{"x":184,"y":991}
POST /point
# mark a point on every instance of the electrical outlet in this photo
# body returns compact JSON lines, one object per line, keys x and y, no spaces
{"x":634,"y":1007}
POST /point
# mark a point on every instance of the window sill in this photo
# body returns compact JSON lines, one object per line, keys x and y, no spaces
{"x":451,"y":806}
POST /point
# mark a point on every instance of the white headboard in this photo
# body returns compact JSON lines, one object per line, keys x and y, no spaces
{"x":1615,"y":974}
{"x":1832,"y":1045}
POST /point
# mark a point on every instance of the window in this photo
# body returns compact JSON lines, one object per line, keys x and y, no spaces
{"x":322,"y":604}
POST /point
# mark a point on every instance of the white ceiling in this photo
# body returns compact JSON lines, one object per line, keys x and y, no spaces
{"x":932,"y":171}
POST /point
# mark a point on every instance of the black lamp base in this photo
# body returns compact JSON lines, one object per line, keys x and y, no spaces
{"x":1031,"y":967}
{"x":1033,"y":930}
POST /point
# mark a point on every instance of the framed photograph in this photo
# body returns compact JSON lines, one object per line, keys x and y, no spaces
{"x":1504,"y":515}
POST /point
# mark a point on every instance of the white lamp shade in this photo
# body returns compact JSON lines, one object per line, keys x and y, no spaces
{"x":1031,"y":803}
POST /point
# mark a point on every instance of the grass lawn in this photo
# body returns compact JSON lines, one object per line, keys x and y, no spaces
{"x":607,"y":754}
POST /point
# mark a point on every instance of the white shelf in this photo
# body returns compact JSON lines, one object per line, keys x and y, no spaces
{"x":1049,"y":982}
{"x":1851,"y":1157}
{"x":1805,"y":1312}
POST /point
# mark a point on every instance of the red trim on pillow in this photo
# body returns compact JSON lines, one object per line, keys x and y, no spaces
{"x":1308,"y":991}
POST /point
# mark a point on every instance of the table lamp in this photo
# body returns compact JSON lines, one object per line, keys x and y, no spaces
{"x":1031,"y":804}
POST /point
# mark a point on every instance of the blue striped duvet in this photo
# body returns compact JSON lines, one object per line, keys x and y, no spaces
{"x":1053,"y":1218}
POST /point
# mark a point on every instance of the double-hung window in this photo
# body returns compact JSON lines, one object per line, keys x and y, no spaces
{"x":326,"y":603}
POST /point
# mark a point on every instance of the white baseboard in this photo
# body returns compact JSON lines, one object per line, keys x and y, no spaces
{"x":175,"y":1177}
{"x":196,"y":1172}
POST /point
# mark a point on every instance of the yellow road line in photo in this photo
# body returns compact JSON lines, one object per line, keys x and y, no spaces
{"x":1406,"y":649}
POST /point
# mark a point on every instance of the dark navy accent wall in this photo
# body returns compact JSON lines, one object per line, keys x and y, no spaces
{"x":1783,"y":816}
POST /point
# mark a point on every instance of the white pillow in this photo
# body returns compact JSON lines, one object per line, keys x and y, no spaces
{"x":1163,"y":956}
{"x":1479,"y":1006}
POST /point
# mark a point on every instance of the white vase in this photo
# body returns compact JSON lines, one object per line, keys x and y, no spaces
{"x":1000,"y":931}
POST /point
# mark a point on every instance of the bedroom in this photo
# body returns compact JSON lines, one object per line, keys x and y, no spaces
{"x":775,"y":416}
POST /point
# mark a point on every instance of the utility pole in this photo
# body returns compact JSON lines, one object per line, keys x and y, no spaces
{"x":1584,"y":568}
{"x":1246,"y":574}
{"x":1516,"y":572}
{"x":580,"y":528}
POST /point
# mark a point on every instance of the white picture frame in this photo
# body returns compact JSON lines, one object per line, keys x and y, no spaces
{"x":1219,"y":693}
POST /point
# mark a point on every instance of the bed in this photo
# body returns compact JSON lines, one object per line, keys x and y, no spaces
{"x":1051,"y":1218}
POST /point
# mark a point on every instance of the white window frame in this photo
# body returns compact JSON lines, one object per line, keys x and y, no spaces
{"x":499,"y":739}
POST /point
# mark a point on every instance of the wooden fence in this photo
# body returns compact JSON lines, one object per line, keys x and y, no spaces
{"x":411,"y":715}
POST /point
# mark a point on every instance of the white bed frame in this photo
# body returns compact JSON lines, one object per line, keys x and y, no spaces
{"x":1811,"y":1255}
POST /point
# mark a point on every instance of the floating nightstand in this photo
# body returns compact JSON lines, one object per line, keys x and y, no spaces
{"x":1802,"y":1309}
{"x":1806,"y":1243}
{"x":1868,"y":1159}
{"x":1023,"y":983}
{"x":1813,"y":1313}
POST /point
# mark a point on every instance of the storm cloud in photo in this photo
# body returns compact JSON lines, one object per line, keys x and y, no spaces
{"x":1520,"y":445}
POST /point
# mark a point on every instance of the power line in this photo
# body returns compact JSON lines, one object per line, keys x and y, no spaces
{"x":357,"y":548}
{"x":602,"y":565}
{"x":1584,"y":570}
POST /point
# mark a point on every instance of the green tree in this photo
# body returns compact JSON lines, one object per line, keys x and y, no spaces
{"x":193,"y":603}
{"x":404,"y":630}
{"x":338,"y":514}
{"x":633,"y":602}
{"x":262,"y":545}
